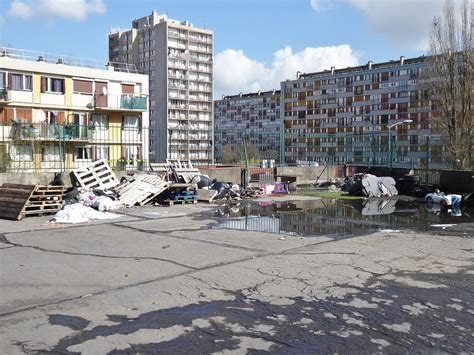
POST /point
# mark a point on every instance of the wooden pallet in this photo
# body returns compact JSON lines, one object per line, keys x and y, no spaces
{"x":45,"y":200}
{"x":185,"y":169}
{"x":172,"y":202}
{"x":97,"y":175}
{"x":142,"y":190}
{"x":13,"y":198}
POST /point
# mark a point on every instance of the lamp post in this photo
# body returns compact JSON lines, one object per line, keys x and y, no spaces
{"x":390,"y":139}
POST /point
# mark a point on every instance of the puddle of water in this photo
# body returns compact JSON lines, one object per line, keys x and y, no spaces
{"x":337,"y":218}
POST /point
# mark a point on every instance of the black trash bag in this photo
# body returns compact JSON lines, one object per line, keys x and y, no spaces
{"x":201,"y":181}
{"x":70,"y":196}
{"x":222,"y":189}
{"x":58,"y":180}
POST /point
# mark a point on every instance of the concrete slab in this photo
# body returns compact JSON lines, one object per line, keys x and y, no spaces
{"x":388,"y":292}
{"x":262,"y":242}
{"x":42,"y":223}
{"x":114,"y":241}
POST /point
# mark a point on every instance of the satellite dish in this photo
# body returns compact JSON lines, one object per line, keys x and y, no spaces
{"x":104,"y":91}
{"x":41,"y":116}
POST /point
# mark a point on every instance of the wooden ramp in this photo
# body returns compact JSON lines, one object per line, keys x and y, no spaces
{"x":13,"y":198}
{"x":97,"y":175}
{"x":143,"y":189}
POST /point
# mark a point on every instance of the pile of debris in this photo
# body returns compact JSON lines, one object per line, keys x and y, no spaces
{"x":366,"y":185}
{"x":97,"y":191}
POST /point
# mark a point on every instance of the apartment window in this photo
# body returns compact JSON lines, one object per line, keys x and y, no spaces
{"x":52,"y":85}
{"x":100,"y":121}
{"x":3,"y":84}
{"x":50,"y":153}
{"x":21,"y":82}
{"x":101,"y":152}
{"x":82,"y":153}
{"x":130,"y":122}
{"x":82,"y":87}
{"x":22,"y":152}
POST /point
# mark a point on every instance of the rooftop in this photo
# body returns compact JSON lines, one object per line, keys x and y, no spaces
{"x":365,"y":67}
{"x":38,"y":56}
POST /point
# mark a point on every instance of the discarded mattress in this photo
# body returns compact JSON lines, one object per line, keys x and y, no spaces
{"x":373,"y":186}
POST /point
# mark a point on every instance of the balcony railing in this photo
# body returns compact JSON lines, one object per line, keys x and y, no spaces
{"x":125,"y":102}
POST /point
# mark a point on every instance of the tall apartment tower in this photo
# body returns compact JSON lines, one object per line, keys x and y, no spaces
{"x":178,"y":59}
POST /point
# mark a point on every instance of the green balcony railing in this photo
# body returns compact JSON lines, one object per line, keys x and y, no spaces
{"x":133,"y":102}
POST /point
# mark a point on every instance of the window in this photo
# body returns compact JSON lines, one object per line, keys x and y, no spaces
{"x":51,"y":153}
{"x":52,"y":85}
{"x":22,"y":153}
{"x":2,"y":80}
{"x":130,"y":122}
{"x":21,"y":82}
{"x":101,"y":152}
{"x":82,"y":87}
{"x":82,"y":153}
{"x":100,"y":121}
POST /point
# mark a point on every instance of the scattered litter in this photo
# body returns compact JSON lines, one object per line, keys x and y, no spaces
{"x":442,"y":225}
{"x":390,"y":231}
{"x":281,"y":238}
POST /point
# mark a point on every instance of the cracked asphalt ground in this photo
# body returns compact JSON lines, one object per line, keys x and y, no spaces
{"x":159,"y":280}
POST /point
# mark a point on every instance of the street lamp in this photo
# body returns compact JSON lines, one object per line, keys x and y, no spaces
{"x":390,"y":139}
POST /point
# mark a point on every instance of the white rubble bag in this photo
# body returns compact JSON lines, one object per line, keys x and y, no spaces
{"x":78,"y":213}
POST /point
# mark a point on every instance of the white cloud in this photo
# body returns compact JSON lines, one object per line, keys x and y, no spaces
{"x":20,"y":9}
{"x":403,"y":22}
{"x":234,"y":72}
{"x":76,"y":10}
{"x":320,"y":5}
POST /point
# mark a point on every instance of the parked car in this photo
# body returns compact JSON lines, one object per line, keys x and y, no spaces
{"x":443,"y":199}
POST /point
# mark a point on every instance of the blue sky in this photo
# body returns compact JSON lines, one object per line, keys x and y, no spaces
{"x":261,"y":41}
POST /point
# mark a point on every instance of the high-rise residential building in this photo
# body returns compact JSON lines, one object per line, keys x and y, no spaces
{"x":178,"y":59}
{"x":357,"y":114}
{"x":257,"y":114}
{"x":60,"y":113}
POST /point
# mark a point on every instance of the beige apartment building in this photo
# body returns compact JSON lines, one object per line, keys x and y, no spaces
{"x":178,"y":58}
{"x":60,"y":113}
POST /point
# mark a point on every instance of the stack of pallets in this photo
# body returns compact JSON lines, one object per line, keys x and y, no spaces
{"x":179,"y":193}
{"x":45,"y":200}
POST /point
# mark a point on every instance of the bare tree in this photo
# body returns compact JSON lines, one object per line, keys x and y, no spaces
{"x":451,"y":81}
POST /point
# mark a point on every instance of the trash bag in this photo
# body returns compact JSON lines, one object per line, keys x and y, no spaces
{"x":202,"y":181}
{"x":222,"y":189}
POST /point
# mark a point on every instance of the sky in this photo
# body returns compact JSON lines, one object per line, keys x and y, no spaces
{"x":257,"y":43}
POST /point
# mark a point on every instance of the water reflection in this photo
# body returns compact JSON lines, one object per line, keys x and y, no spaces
{"x":333,"y":218}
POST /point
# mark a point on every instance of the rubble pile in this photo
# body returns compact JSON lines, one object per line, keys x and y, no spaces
{"x":97,"y":192}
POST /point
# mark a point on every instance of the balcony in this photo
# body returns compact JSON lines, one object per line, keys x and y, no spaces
{"x":5,"y":96}
{"x":121,"y":102}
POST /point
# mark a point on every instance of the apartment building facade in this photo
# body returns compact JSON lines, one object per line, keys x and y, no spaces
{"x":178,"y":58}
{"x":257,"y":114}
{"x":346,"y":116}
{"x":57,"y":114}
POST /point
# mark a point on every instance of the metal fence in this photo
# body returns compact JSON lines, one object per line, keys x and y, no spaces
{"x":36,"y":147}
{"x":295,"y":147}
{"x":26,"y":147}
